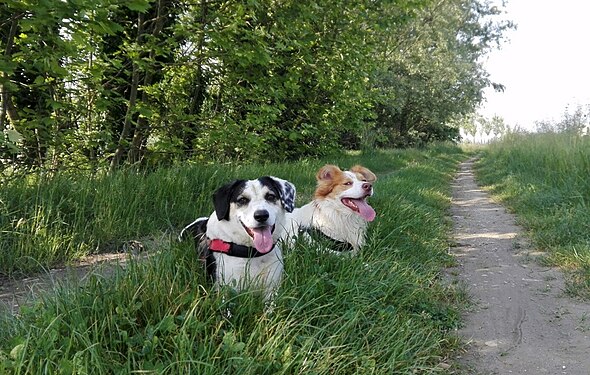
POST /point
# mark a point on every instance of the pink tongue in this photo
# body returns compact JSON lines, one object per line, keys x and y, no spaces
{"x":366,"y":211}
{"x":262,"y":239}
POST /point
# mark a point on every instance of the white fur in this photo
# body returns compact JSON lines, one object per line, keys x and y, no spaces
{"x":264,"y":271}
{"x":332,"y":217}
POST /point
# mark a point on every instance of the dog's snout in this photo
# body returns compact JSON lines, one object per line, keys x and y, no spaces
{"x":261,"y":216}
{"x":367,"y":186}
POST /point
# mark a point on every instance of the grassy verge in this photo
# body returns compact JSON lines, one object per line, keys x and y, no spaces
{"x":545,"y":179}
{"x":385,"y":311}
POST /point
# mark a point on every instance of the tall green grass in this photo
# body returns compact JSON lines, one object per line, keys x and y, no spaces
{"x":47,"y":221}
{"x":385,"y":311}
{"x":545,"y":178}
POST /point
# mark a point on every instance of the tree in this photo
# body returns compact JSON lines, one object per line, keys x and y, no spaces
{"x":468,"y":123}
{"x":152,"y":47}
{"x":32,"y":70}
{"x":498,"y":126}
{"x":103,"y":83}
{"x":431,"y":72}
{"x":574,"y":122}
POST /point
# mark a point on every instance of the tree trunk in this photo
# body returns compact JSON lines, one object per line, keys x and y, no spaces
{"x":128,"y":123}
{"x":142,"y":128}
{"x":7,"y":104}
{"x":198,"y":95}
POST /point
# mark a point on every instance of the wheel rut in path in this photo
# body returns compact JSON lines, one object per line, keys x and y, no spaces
{"x":521,"y":321}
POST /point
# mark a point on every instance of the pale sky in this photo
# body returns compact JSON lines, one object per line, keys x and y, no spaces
{"x":544,"y":64}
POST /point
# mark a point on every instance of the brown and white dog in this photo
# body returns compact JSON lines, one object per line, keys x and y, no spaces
{"x":339,"y":211}
{"x":239,"y":240}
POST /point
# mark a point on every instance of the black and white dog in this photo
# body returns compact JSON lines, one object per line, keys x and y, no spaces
{"x":239,"y":239}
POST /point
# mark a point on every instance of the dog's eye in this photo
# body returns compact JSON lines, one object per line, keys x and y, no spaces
{"x":270,"y":197}
{"x":348,"y":183}
{"x":242,"y":201}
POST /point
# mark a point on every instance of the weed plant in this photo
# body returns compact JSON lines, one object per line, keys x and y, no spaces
{"x":384,"y":311}
{"x":545,"y":179}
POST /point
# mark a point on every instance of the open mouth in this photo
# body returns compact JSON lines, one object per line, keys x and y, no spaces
{"x":360,"y":206}
{"x":261,"y":236}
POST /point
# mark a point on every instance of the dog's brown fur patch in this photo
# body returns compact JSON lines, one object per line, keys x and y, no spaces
{"x":363,"y":173}
{"x":332,"y":180}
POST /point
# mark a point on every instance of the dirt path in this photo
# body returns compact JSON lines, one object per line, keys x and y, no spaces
{"x":521,"y":322}
{"x":15,"y":292}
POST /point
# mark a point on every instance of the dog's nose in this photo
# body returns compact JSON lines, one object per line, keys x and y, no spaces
{"x":261,"y":215}
{"x":367,"y":186}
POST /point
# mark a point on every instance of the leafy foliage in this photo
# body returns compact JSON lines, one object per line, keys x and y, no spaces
{"x":99,"y":84}
{"x":431,"y":73}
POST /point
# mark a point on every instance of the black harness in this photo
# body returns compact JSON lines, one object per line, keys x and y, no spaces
{"x":235,"y":250}
{"x":333,"y":244}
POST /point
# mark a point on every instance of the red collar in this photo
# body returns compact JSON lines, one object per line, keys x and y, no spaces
{"x":232,"y":249}
{"x":219,"y":246}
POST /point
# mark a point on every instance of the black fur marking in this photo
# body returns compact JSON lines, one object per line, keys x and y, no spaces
{"x":226,"y":195}
{"x":210,"y":264}
{"x":286,"y":191}
{"x":288,"y":197}
{"x":197,"y":230}
{"x":272,"y":184}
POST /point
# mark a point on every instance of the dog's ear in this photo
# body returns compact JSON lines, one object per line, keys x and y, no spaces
{"x":288,"y":193}
{"x":365,"y":172}
{"x":327,"y":172}
{"x":223,"y":196}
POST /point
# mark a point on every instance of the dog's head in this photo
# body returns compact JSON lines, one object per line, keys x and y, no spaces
{"x":253,"y":209}
{"x":350,"y":188}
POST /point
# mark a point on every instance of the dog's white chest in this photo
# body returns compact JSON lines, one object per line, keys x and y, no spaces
{"x":262,"y":272}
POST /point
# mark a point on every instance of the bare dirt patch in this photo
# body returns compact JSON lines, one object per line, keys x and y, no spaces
{"x":521,"y":321}
{"x":17,"y":291}
{"x":14,"y":292}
